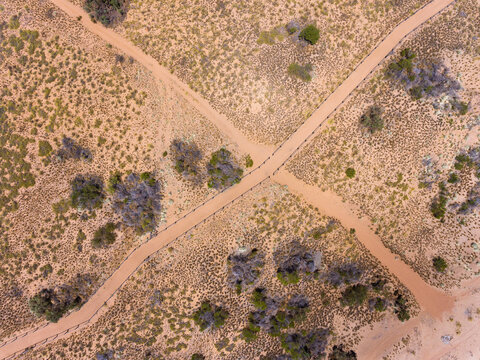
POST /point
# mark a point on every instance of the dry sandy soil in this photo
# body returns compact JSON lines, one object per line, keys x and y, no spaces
{"x":237,"y":54}
{"x":150,"y":316}
{"x":84,"y":90}
{"x":418,"y":142}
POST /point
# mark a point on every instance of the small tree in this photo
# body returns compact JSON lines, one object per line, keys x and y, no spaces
{"x":310,"y":34}
{"x":87,"y":192}
{"x":354,"y":295}
{"x":209,"y":315}
{"x":372,"y":119}
{"x":197,"y":356}
{"x":439,"y":264}
{"x":104,"y":236}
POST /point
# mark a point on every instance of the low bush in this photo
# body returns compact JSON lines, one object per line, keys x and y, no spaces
{"x":44,"y":148}
{"x":104,"y":236}
{"x":106,"y":11}
{"x":137,"y":200}
{"x":439,"y":264}
{"x":354,"y":295}
{"x":372,"y":119}
{"x":87,"y":192}
{"x":310,"y":34}
{"x":209,"y":315}
{"x":222,"y":170}
{"x":299,"y":71}
{"x":186,"y":158}
{"x":350,"y":173}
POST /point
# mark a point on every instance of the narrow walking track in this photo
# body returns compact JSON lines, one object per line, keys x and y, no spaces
{"x":430,"y":299}
{"x":258,"y":152}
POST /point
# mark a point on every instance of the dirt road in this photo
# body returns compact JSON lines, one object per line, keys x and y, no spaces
{"x":430,"y":299}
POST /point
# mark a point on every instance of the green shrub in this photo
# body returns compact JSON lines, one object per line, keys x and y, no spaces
{"x":44,"y":148}
{"x":310,"y":34}
{"x":104,"y":236}
{"x":350,"y":172}
{"x":113,"y":182}
{"x":209,"y":315}
{"x":453,"y":178}
{"x":301,"y":72}
{"x":439,"y":264}
{"x":287,"y":278}
{"x":248,"y":161}
{"x":87,"y":192}
{"x":372,"y":119}
{"x":439,"y":207}
{"x":197,"y":356}
{"x":354,"y":295}
{"x":259,"y":299}
{"x":250,"y":333}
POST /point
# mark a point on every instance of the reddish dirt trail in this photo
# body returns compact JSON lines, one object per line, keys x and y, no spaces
{"x":432,"y":300}
{"x":275,"y":161}
{"x":258,"y":152}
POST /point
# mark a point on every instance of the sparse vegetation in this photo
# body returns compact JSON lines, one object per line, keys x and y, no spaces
{"x":208,"y":316}
{"x":301,"y":72}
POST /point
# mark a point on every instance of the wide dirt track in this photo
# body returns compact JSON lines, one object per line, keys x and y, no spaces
{"x":432,"y":301}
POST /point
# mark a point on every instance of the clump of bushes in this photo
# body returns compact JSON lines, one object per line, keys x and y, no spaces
{"x":439,"y":264}
{"x":197,"y":356}
{"x":52,"y":304}
{"x":137,"y":199}
{"x":306,"y":346}
{"x":186,"y":157}
{"x":401,"y":307}
{"x":372,"y":119}
{"x":338,"y":353}
{"x":439,"y":206}
{"x":347,"y":273}
{"x":209,"y":315}
{"x":87,"y":192}
{"x":299,"y":71}
{"x":71,"y":150}
{"x":298,"y":261}
{"x":272,"y":315}
{"x":244,"y":268}
{"x":104,"y":236}
{"x":248,"y":161}
{"x":106,"y":11}
{"x":354,"y":295}
{"x":426,"y":80}
{"x":222,"y":170}
{"x":310,"y":34}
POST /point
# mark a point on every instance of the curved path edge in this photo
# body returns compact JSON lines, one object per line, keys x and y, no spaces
{"x":259,"y":175}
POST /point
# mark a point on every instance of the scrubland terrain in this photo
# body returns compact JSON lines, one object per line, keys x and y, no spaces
{"x":72,"y":106}
{"x":99,"y":156}
{"x":399,"y":168}
{"x":237,"y":55}
{"x":152,"y":314}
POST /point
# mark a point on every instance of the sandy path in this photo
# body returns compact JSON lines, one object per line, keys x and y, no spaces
{"x":258,"y":152}
{"x":264,"y":171}
{"x":432,"y":300}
